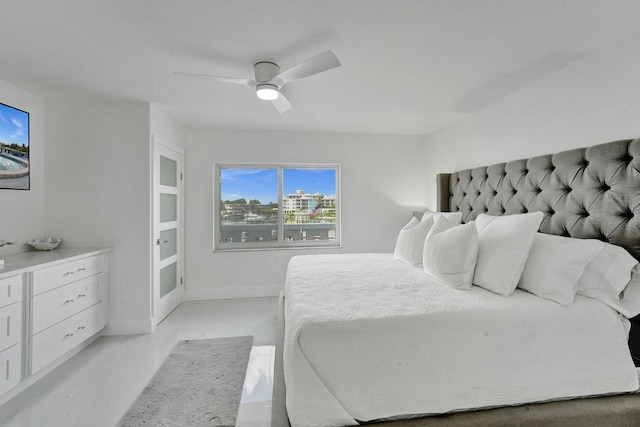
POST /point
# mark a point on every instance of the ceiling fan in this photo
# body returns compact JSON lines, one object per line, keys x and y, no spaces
{"x":269,"y":81}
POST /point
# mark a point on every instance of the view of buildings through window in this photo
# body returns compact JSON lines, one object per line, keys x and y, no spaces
{"x":277,"y":206}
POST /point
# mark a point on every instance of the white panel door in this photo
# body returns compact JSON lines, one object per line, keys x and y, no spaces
{"x":168,"y":259}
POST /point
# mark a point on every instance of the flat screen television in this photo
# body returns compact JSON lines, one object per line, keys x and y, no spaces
{"x":14,"y":148}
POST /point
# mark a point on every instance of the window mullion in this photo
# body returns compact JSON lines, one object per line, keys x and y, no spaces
{"x":280,"y":205}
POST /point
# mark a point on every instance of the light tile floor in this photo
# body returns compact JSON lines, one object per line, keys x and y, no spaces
{"x":97,"y":386}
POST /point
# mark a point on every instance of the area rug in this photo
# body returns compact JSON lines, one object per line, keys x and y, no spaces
{"x":200,"y":384}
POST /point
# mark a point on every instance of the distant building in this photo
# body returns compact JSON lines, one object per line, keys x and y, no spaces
{"x":299,"y":208}
{"x":301,"y":201}
{"x":302,"y":207}
{"x":328,"y":201}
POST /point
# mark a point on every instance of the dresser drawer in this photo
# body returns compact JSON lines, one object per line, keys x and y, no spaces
{"x":10,"y":290}
{"x":10,"y":367}
{"x":52,"y":343}
{"x":53,"y":277}
{"x":10,"y":325}
{"x":56,"y":305}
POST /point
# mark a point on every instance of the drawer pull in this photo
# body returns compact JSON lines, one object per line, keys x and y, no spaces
{"x":67,"y":301}
{"x":80,"y":328}
{"x":68,"y":273}
{"x":80,"y":296}
{"x":67,"y":335}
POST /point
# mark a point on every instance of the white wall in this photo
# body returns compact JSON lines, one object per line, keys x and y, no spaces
{"x":98,"y":194}
{"x":165,"y":127}
{"x":381,"y":184}
{"x":592,"y":101}
{"x":21,"y":211}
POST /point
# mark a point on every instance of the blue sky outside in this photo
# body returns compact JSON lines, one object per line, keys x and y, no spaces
{"x":262,"y":184}
{"x":14,"y":126}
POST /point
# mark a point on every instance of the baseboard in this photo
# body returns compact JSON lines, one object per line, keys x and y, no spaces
{"x":199,"y":294}
{"x":128,"y":326}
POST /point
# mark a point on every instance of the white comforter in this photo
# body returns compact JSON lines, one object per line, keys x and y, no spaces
{"x":368,"y":337}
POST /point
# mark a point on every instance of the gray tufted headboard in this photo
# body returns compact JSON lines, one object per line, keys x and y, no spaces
{"x":589,"y":192}
{"x":586,"y":193}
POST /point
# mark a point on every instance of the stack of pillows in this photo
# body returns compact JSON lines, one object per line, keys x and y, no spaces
{"x":500,"y":253}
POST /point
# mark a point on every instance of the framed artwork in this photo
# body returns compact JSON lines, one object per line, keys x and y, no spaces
{"x":14,"y":148}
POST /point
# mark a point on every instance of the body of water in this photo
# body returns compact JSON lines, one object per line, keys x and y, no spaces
{"x":8,"y":164}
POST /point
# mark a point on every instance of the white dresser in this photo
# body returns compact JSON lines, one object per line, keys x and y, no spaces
{"x":10,"y":332}
{"x":51,"y":305}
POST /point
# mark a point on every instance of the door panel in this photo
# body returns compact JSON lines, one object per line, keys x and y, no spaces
{"x":168,"y":172}
{"x":168,"y":207}
{"x":168,"y":279}
{"x":169,"y":246}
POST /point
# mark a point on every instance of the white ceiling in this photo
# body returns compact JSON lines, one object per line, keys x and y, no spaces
{"x":408,"y":66}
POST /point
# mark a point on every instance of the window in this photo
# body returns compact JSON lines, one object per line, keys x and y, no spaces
{"x":276,"y":206}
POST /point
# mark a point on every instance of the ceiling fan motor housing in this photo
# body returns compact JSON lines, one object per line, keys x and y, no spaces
{"x":265,"y":71}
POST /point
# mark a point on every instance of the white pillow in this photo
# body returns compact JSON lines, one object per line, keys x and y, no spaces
{"x":411,"y":239}
{"x":450,"y":254}
{"x":626,"y":302}
{"x":629,"y":302}
{"x":453,"y":217}
{"x":609,"y":269}
{"x":555,"y":265}
{"x":613,"y":278}
{"x":505,"y":242}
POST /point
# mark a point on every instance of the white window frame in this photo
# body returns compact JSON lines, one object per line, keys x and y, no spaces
{"x":281,"y":243}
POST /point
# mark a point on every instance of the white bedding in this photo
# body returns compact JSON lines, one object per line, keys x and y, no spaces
{"x":368,"y":337}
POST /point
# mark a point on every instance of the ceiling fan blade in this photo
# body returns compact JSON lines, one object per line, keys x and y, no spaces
{"x":234,"y":80}
{"x":281,"y":103}
{"x":316,"y":64}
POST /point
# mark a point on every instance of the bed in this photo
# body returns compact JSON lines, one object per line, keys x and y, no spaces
{"x":365,"y":338}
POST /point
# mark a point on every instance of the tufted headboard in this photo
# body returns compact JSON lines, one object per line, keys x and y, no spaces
{"x":586,"y":193}
{"x":589,"y":192}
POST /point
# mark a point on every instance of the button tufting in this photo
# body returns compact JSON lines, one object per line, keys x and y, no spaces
{"x":627,"y":213}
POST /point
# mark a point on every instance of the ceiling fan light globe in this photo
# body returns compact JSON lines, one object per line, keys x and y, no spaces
{"x":267,"y":92}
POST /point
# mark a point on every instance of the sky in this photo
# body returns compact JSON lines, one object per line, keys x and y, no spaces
{"x":14,"y":126}
{"x":262,"y":184}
